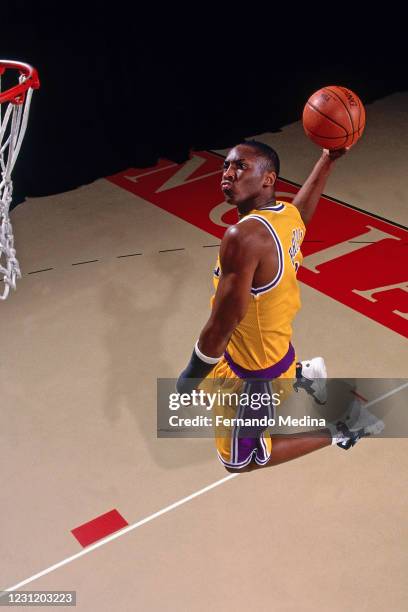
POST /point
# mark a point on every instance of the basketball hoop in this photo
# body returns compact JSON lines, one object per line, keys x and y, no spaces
{"x":13,"y":123}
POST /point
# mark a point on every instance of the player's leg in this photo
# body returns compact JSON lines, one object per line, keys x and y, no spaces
{"x":287,"y":448}
{"x":357,"y":423}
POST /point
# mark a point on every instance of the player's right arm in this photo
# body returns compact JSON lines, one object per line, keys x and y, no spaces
{"x":239,"y":258}
{"x":240,"y":253}
{"x":309,"y":194}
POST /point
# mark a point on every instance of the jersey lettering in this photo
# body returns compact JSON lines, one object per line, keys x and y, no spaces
{"x":297,"y":238}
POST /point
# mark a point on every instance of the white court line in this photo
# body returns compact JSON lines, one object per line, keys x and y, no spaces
{"x":379,"y":399}
{"x":122,"y":532}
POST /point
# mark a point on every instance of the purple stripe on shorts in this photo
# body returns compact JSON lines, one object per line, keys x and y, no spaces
{"x":246,"y":447}
{"x":272,"y":372}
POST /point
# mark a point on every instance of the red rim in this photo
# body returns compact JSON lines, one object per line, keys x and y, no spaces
{"x":16,"y":94}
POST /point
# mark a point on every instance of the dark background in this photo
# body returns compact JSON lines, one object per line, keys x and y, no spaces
{"x":123,"y":90}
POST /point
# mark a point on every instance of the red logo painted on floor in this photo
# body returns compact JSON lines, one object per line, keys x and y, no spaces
{"x":349,"y":255}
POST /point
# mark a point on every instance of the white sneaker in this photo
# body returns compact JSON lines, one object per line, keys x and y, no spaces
{"x":313,"y":379}
{"x":359,"y":423}
{"x":359,"y":418}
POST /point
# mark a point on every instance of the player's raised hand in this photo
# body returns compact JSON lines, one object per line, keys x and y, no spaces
{"x":334,"y":154}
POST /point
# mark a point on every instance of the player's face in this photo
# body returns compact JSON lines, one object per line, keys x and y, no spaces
{"x":243,"y":176}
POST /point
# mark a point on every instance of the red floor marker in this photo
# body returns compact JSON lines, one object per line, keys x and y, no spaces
{"x":99,"y":528}
{"x":360,"y":397}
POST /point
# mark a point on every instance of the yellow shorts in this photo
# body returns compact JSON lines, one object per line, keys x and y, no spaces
{"x":237,"y":445}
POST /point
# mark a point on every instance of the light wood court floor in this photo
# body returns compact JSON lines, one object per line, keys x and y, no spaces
{"x":81,"y":349}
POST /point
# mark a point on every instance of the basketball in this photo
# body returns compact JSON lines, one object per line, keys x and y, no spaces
{"x":334,"y":117}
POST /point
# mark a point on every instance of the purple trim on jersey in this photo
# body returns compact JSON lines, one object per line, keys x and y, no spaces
{"x":276,"y":208}
{"x":281,"y":262}
{"x":273,"y":371}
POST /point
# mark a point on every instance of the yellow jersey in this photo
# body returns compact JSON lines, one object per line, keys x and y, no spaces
{"x":262,"y":338}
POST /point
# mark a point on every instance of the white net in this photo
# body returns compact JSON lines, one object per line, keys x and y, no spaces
{"x":13,"y":124}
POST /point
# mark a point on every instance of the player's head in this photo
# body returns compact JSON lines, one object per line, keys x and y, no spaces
{"x":250,"y":172}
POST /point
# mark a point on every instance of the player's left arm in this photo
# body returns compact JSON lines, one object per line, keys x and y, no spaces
{"x":239,"y":258}
{"x":309,"y":194}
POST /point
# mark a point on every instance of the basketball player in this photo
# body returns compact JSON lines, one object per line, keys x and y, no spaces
{"x":248,"y":335}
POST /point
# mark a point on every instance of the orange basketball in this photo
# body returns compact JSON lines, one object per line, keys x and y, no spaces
{"x":334,"y":117}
